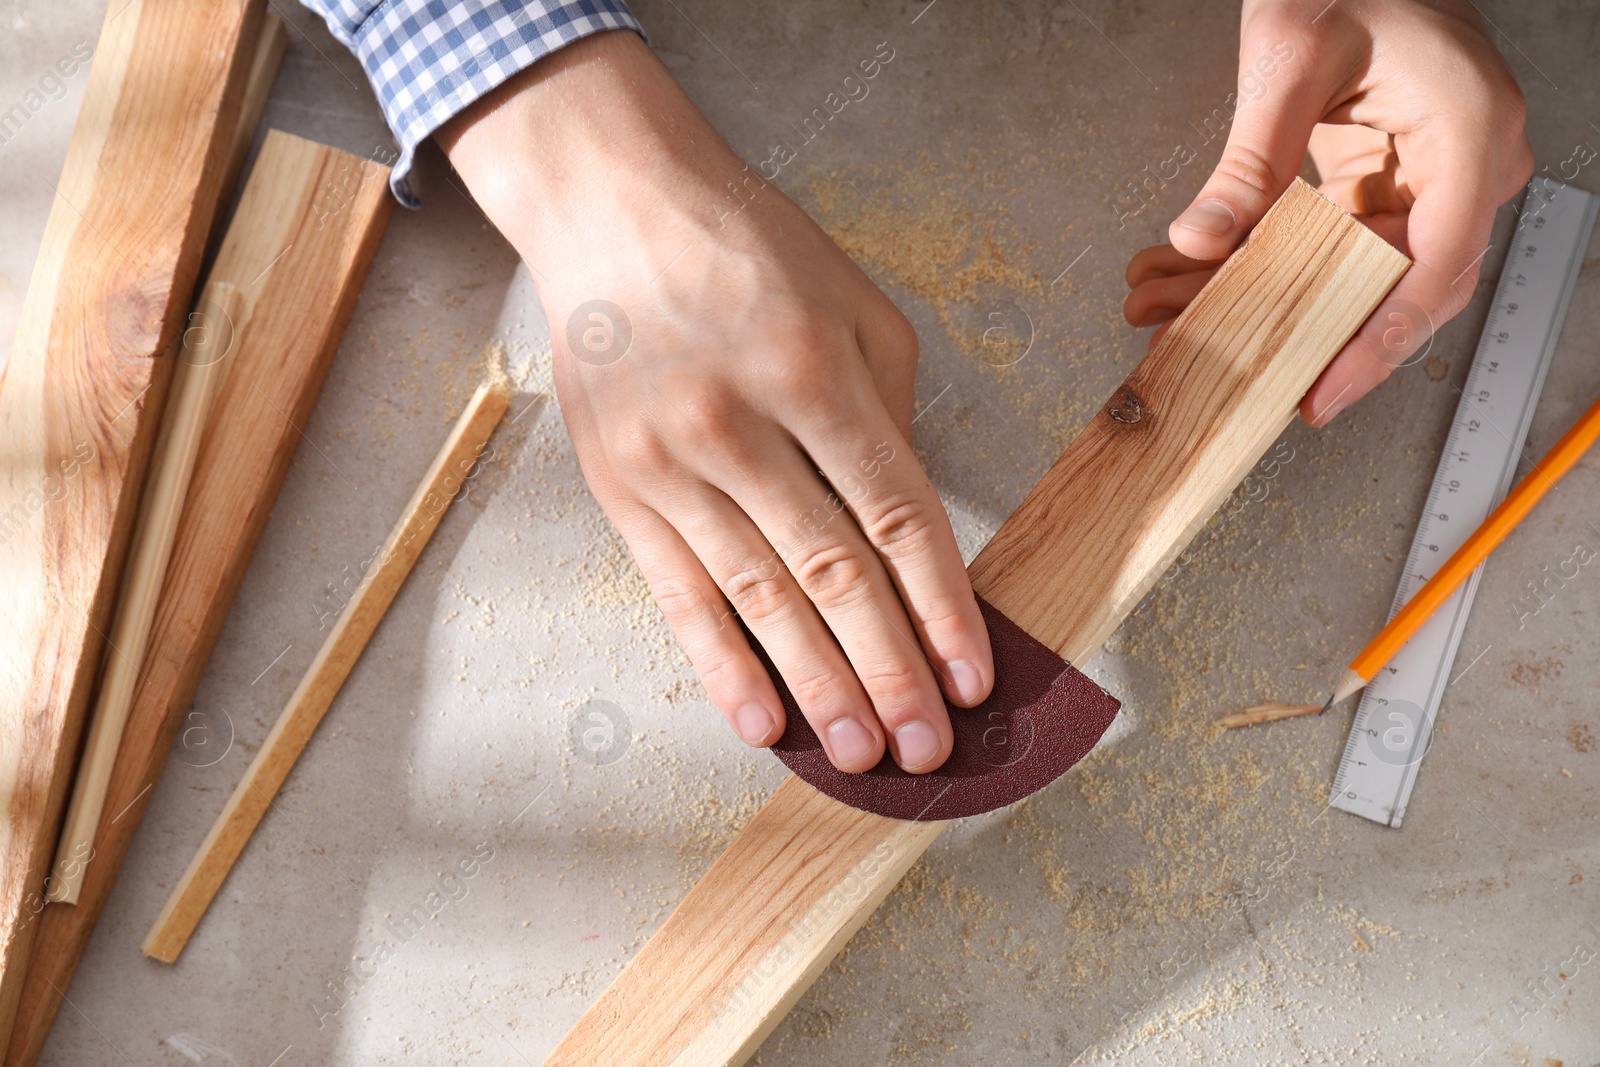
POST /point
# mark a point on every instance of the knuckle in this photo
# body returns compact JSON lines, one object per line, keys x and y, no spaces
{"x":758,"y":592}
{"x":1513,"y":106}
{"x":679,"y":599}
{"x":899,"y":524}
{"x":720,"y":675}
{"x":901,"y":336}
{"x":832,"y":575}
{"x":799,"y":378}
{"x":803,"y":370}
{"x":1245,"y":165}
{"x":1521,"y":171}
{"x":706,"y":403}
{"x":945,"y":617}
{"x":1267,"y":24}
{"x":896,"y":683}
{"x":640,"y":448}
{"x":818,"y":689}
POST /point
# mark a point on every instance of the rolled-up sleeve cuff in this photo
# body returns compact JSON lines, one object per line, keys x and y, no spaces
{"x":429,"y":59}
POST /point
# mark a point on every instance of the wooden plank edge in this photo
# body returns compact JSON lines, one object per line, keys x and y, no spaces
{"x":264,"y":64}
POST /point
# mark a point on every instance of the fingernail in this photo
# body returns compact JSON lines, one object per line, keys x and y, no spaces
{"x":916,"y":743}
{"x":754,"y":723}
{"x":1332,"y":412}
{"x":966,"y":680}
{"x":1209,"y":217}
{"x":850,"y":741}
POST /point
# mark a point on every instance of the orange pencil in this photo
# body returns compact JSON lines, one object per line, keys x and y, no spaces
{"x":1483,"y":541}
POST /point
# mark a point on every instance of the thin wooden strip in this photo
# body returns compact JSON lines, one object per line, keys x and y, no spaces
{"x":200,"y":365}
{"x":323,"y":679}
{"x":1257,"y":714}
{"x":82,"y":389}
{"x":296,"y":313}
{"x":1086,"y":544}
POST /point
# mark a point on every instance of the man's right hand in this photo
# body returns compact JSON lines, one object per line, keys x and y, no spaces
{"x":715,"y":351}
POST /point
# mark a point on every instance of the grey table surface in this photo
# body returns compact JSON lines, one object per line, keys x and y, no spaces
{"x":1182,"y":896}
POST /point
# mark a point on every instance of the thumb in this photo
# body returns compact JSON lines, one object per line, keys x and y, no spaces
{"x":1277,"y":109}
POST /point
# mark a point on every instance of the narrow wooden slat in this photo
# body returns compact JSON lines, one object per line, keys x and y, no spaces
{"x":283,"y":341}
{"x":1073,"y":560}
{"x":332,"y":665}
{"x":81,"y":390}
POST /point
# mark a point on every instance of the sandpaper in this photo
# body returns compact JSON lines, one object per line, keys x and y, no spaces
{"x":1043,"y":716}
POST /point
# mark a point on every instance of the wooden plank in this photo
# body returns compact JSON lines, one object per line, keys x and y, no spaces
{"x":195,"y":381}
{"x":82,"y":389}
{"x":323,"y":679}
{"x":1073,"y":560}
{"x":288,"y":330}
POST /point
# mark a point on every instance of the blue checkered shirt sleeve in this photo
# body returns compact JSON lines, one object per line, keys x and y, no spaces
{"x":429,"y":59}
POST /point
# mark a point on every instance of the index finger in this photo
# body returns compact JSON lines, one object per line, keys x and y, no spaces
{"x":1447,"y":234}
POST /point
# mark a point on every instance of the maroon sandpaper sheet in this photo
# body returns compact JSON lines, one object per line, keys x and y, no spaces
{"x":1043,"y":716}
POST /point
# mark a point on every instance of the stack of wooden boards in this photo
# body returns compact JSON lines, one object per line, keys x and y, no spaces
{"x":171,"y":105}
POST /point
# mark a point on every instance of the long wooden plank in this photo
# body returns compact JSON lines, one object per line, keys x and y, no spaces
{"x":293,"y":316}
{"x":312,"y":698}
{"x":1073,"y":560}
{"x":83,"y":386}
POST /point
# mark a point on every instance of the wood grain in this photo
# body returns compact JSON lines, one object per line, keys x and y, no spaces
{"x":284,"y":339}
{"x":1073,"y":560}
{"x":196,"y":379}
{"x":83,"y":386}
{"x":332,"y":665}
{"x":264,"y":64}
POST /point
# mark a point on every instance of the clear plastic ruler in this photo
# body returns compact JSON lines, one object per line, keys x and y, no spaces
{"x":1394,"y":721}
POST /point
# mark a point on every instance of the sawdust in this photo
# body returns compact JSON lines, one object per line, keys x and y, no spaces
{"x":1533,"y":673}
{"x":930,"y":232}
{"x":919,"y":234}
{"x":609,"y":577}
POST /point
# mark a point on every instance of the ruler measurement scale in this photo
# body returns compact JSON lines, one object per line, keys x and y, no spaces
{"x":1394,"y":721}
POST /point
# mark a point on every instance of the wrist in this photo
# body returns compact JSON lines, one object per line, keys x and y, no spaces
{"x":595,"y":131}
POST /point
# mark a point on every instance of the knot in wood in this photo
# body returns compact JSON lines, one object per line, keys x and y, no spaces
{"x":1125,"y":406}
